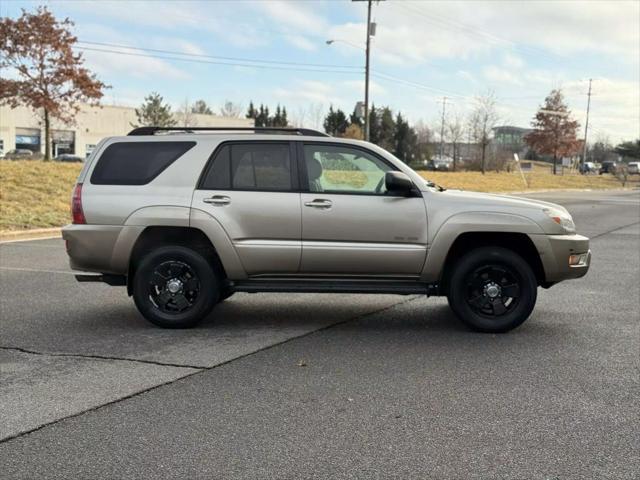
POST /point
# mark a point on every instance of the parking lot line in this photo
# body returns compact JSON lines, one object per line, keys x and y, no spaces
{"x":36,"y":270}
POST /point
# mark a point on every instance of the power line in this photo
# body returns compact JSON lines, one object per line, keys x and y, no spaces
{"x":479,"y":33}
{"x":217,"y":57}
{"x":212,"y":62}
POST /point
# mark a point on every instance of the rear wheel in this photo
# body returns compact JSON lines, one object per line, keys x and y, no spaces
{"x":175,"y":287}
{"x":492,"y":289}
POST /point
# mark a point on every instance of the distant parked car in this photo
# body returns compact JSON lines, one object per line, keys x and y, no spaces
{"x":67,"y":157}
{"x":588,"y":167}
{"x":608,"y":167}
{"x":634,"y":168}
{"x":442,"y":164}
{"x":19,"y":154}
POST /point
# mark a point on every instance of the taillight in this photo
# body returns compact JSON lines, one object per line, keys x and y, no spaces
{"x":77,"y":215}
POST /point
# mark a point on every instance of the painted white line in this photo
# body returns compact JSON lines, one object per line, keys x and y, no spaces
{"x":29,"y":239}
{"x":35,"y":270}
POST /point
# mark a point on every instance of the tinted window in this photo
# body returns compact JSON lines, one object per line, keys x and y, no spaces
{"x":250,"y":166}
{"x":136,"y":163}
{"x":344,"y":170}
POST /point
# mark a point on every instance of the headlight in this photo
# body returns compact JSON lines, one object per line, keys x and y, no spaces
{"x":561,"y":218}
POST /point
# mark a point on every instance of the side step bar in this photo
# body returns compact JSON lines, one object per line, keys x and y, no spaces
{"x":113,"y":280}
{"x":336,"y":286}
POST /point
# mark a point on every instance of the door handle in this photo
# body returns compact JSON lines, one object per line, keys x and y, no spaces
{"x":319,"y":203}
{"x":217,"y":200}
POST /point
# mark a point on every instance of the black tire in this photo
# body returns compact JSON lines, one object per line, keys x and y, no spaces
{"x":170,"y":268}
{"x":492,"y":289}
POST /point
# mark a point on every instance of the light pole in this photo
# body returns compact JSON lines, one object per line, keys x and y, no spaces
{"x":586,"y":127}
{"x":370,"y":33}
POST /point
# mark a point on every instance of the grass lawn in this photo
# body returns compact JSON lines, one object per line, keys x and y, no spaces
{"x":36,"y":194}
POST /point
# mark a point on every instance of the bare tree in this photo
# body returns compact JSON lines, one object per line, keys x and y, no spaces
{"x":185,"y":115}
{"x":484,"y":118}
{"x":298,"y":119}
{"x":424,"y":138}
{"x":200,"y":106}
{"x":455,"y":132}
{"x":231,"y":109}
{"x":316,"y":115}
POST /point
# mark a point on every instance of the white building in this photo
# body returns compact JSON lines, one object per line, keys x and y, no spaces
{"x":22,"y":128}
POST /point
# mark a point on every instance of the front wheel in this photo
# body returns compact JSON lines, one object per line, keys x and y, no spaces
{"x":492,"y":289}
{"x":175,"y":287}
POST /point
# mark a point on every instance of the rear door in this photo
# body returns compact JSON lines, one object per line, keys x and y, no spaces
{"x":350,"y":224}
{"x":251,"y":189}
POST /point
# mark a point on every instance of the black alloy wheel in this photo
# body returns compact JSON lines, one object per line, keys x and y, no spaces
{"x":175,"y":287}
{"x":492,"y":289}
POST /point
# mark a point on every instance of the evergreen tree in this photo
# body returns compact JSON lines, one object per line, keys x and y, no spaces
{"x":629,"y":149}
{"x":251,"y":112}
{"x":335,"y":123}
{"x":374,"y":126}
{"x":387,"y":129}
{"x":405,"y":140}
{"x":153,"y":112}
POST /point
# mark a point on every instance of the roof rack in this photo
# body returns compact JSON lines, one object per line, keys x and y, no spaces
{"x":287,"y":130}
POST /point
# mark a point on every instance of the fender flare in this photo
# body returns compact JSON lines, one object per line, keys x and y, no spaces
{"x":470,"y":222}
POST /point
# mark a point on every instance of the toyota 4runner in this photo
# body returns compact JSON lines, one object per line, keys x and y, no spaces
{"x":186,"y":217}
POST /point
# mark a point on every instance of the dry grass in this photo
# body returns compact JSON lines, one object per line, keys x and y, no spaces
{"x":513,"y":182}
{"x":36,"y":194}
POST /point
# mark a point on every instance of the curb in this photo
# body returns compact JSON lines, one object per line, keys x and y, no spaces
{"x":8,"y":236}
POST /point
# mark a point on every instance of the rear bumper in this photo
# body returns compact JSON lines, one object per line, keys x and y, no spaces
{"x":100,"y":248}
{"x":555,"y":252}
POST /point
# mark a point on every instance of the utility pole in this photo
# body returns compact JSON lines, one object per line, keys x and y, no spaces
{"x":371,"y":31}
{"x":366,"y":75}
{"x":586,"y":127}
{"x":444,"y":102}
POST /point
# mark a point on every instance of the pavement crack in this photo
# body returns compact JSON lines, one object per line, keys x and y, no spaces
{"x":198,"y":370}
{"x":614,"y":230}
{"x":101,"y":357}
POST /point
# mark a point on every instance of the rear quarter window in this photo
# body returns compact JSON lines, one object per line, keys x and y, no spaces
{"x":136,"y":163}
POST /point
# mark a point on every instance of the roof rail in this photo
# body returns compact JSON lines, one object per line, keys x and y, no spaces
{"x":290,"y":130}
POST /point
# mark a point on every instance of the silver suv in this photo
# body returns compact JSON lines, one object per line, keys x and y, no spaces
{"x":185,"y":218}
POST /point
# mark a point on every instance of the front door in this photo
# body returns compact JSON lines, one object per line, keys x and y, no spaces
{"x":350,"y":224}
{"x":250,"y":188}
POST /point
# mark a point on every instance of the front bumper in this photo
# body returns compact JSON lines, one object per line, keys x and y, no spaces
{"x":555,"y":252}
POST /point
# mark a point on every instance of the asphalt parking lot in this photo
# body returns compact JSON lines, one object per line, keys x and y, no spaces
{"x":325,"y":386}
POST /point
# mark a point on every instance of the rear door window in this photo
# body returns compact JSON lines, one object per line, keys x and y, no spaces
{"x":136,"y":163}
{"x":251,"y":166}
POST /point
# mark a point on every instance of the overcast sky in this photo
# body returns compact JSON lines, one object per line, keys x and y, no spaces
{"x":422,"y":51}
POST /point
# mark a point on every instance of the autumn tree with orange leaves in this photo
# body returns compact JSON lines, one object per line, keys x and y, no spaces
{"x":47,"y":75}
{"x":554,"y":131}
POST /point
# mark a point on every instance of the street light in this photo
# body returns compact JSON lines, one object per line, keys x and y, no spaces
{"x":371,"y":31}
{"x":347,"y":42}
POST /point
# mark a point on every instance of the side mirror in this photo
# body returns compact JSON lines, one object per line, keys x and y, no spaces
{"x":398,"y":182}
